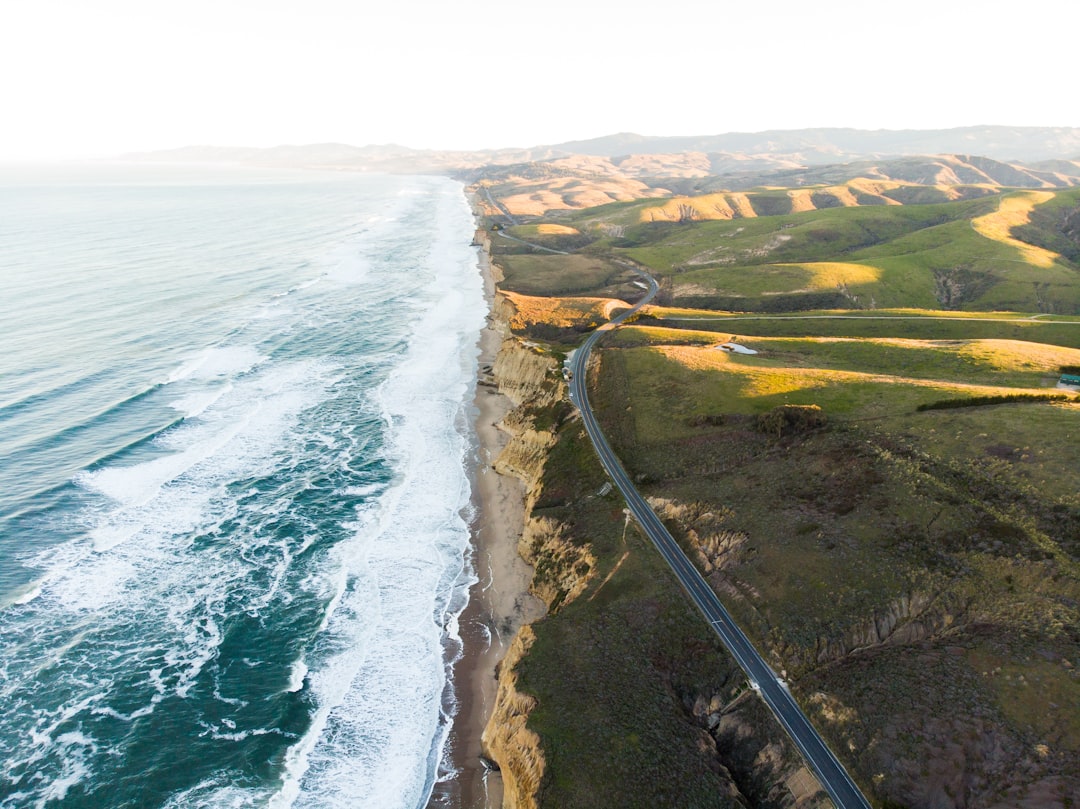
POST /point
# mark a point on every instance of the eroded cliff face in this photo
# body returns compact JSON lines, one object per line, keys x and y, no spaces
{"x":909,"y":618}
{"x":764,"y":771}
{"x":530,"y":380}
{"x":533,"y":382}
{"x":507,"y":740}
{"x":562,"y":570}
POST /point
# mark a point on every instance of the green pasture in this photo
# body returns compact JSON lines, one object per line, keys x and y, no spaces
{"x":534,"y":274}
{"x":919,"y":324}
{"x":802,"y":237}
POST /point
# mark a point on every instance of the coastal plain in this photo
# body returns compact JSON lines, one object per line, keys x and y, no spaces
{"x":881,"y":487}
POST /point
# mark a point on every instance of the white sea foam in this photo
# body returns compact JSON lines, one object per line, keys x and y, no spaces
{"x":76,"y":749}
{"x":379,"y":728}
{"x":198,"y":402}
{"x":219,"y":361}
{"x":26,"y":593}
{"x":177,"y":597}
{"x":297,"y":288}
{"x":186,"y":537}
{"x":360,"y":491}
{"x":170,"y":494}
{"x":296,"y":677}
{"x":348,"y":267}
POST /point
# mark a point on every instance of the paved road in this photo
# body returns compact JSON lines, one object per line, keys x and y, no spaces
{"x":821,"y":760}
{"x":506,"y":235}
{"x":499,"y":206}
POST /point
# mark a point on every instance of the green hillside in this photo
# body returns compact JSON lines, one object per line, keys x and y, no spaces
{"x":1017,"y":251}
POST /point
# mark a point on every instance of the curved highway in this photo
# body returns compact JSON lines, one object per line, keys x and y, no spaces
{"x":773,"y":690}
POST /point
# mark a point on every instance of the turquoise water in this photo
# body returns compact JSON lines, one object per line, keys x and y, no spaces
{"x":233,"y":495}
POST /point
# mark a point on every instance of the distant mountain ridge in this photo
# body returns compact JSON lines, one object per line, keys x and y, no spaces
{"x":932,"y":170}
{"x":724,"y":153}
{"x":832,"y":145}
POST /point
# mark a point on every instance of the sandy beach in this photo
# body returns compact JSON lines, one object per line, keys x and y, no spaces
{"x":499,"y":603}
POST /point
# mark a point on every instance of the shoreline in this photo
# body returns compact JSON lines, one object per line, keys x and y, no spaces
{"x":499,"y":602}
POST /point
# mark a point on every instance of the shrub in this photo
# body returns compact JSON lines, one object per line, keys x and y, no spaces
{"x":791,"y":419}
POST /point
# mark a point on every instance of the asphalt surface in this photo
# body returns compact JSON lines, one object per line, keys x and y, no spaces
{"x":832,"y":776}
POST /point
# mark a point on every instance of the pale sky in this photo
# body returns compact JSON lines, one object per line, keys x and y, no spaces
{"x":94,"y":78}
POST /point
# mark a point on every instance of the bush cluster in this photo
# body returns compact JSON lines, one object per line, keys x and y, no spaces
{"x":791,"y":419}
{"x":1005,"y":398}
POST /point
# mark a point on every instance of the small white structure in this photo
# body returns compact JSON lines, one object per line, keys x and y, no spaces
{"x":735,"y":348}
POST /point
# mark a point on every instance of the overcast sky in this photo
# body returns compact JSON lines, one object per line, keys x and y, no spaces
{"x":100,"y":77}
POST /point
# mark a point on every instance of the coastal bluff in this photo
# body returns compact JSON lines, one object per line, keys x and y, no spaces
{"x":531,"y":381}
{"x":743,"y":758}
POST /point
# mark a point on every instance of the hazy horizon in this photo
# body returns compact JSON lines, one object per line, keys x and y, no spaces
{"x":123,"y":76}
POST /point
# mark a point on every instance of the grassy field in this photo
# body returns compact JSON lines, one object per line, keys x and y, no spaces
{"x":963,"y":255}
{"x":575,"y":275}
{"x":801,"y":237}
{"x":725,"y":204}
{"x":896,"y":323}
{"x":850,"y":379}
{"x":934,"y":542}
{"x":618,"y":671}
{"x":914,"y":573}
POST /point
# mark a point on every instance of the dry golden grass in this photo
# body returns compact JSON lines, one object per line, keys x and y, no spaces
{"x":706,"y":206}
{"x":587,"y":164}
{"x":801,"y":200}
{"x":549,"y":229}
{"x":732,"y":204}
{"x":1013,"y":211}
{"x":946,"y":176}
{"x":876,"y":188}
{"x":843,"y":193}
{"x":950,"y":191}
{"x":759,"y":380}
{"x":1018,"y":355}
{"x":561,"y":312}
{"x":741,"y":203}
{"x":529,"y":197}
{"x":687,"y":164}
{"x":830,"y":274}
{"x":534,"y":203}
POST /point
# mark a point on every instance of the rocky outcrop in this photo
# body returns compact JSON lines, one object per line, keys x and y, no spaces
{"x":506,"y":738}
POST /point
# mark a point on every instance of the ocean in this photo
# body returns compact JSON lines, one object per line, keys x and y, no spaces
{"x":235,"y":442}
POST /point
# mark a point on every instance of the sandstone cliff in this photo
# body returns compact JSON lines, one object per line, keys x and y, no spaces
{"x":532,"y":381}
{"x":507,"y":740}
{"x":562,"y":570}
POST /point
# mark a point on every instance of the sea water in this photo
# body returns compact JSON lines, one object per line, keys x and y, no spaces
{"x":234,"y":497}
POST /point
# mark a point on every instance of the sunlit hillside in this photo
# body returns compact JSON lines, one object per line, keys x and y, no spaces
{"x":1012,"y":250}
